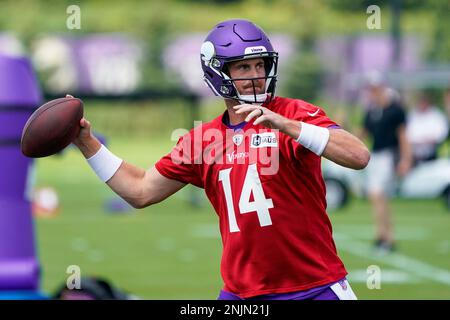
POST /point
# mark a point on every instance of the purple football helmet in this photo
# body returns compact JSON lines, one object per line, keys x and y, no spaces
{"x":234,"y":40}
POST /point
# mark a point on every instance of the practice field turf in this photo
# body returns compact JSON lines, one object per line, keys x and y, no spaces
{"x":172,"y":250}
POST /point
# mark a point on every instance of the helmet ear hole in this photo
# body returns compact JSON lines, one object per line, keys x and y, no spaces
{"x":268,"y":63}
{"x":209,"y":73}
{"x":226,"y":70}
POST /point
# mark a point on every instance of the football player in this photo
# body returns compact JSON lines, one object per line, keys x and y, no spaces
{"x":260,"y":166}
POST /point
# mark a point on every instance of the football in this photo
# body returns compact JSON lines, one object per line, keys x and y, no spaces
{"x":52,"y":127}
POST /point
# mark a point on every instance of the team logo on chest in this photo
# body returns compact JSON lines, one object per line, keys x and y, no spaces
{"x":237,"y":139}
{"x":262,"y":140}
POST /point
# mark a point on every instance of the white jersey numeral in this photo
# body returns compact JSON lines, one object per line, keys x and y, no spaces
{"x":224,"y":177}
{"x":252,"y":185}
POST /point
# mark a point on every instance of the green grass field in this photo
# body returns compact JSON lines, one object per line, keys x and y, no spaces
{"x":172,"y":250}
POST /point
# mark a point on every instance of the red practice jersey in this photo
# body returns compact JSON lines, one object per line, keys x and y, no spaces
{"x":269,"y":194}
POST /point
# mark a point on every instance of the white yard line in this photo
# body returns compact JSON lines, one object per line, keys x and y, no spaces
{"x":397,"y":260}
{"x":360,"y":247}
{"x":387,"y":276}
{"x":366,"y":232}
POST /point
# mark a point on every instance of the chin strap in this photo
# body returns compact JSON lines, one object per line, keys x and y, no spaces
{"x":250,"y":98}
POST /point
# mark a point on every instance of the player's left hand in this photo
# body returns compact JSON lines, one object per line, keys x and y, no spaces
{"x":262,"y":115}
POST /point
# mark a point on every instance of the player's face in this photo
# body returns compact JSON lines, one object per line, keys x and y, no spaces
{"x":251,"y":68}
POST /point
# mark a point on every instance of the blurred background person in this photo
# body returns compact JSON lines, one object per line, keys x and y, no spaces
{"x":426,"y":128}
{"x":385,"y":124}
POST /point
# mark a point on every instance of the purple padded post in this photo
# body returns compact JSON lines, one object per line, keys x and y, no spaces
{"x":19,"y":97}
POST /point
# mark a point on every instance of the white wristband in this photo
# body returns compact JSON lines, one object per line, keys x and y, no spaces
{"x":313,"y":137}
{"x":104,"y":163}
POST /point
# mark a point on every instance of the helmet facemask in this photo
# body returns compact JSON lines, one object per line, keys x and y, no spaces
{"x":228,"y":89}
{"x":270,"y":65}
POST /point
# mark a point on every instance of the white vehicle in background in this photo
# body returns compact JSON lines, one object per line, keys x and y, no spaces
{"x":429,"y":180}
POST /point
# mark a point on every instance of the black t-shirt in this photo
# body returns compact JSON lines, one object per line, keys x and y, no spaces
{"x":382,"y":124}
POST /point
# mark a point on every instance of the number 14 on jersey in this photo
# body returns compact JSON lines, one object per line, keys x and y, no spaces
{"x":252,"y":184}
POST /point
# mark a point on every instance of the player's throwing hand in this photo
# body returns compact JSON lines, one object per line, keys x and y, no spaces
{"x":262,"y":115}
